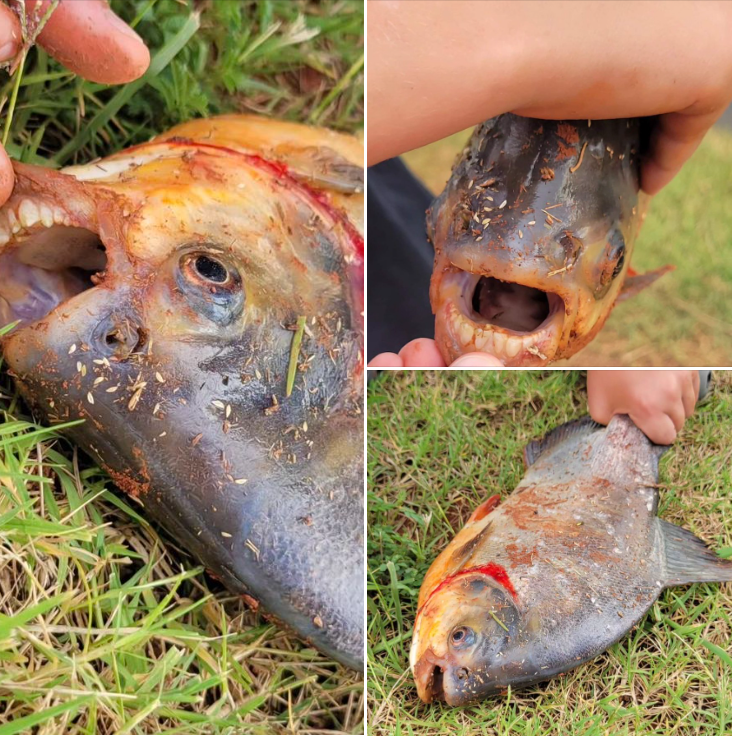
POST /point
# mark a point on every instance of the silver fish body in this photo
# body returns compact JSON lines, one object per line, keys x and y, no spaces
{"x":558,"y":572}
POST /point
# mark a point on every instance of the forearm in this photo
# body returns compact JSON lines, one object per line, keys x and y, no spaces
{"x":436,"y":68}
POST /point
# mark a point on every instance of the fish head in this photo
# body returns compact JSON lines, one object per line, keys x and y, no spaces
{"x":532,"y":246}
{"x":461,"y":635}
{"x":196,"y":302}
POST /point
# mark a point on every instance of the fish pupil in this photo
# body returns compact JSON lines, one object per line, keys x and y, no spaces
{"x":211,"y":270}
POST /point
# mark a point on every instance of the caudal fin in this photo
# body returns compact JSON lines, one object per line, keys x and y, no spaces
{"x":689,"y":559}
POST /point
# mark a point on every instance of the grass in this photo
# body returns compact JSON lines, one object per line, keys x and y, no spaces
{"x":296,"y":59}
{"x":105,"y":626}
{"x":685,"y":319}
{"x":440,"y":443}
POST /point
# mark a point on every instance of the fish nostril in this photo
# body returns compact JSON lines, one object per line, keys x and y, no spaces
{"x":462,"y":674}
{"x":118,"y":338}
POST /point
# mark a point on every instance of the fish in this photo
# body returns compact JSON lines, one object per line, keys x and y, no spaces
{"x":193,"y":307}
{"x":533,"y":237}
{"x":552,"y":576}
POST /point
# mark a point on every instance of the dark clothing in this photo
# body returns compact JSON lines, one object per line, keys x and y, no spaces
{"x":399,"y":259}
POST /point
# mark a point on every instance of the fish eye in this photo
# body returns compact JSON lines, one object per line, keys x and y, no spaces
{"x":462,"y":636}
{"x":212,"y":285}
{"x":614,"y":258}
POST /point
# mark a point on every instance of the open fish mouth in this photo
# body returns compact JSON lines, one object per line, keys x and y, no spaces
{"x":517,"y":323}
{"x":429,"y":675}
{"x":46,"y":258}
{"x":434,"y":687}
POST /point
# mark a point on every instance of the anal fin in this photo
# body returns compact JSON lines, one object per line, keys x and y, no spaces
{"x":688,"y":559}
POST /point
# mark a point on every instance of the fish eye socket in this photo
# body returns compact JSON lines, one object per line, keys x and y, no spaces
{"x":614,"y":259}
{"x":462,"y":636}
{"x":205,"y":269}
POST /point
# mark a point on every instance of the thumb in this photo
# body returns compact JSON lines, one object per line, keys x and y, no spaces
{"x":10,"y":35}
{"x":477,"y":360}
{"x":91,"y":41}
{"x":7,"y":176}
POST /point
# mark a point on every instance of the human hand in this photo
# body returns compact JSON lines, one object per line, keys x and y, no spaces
{"x":659,"y":402}
{"x":87,"y":38}
{"x":637,"y":59}
{"x":423,"y":353}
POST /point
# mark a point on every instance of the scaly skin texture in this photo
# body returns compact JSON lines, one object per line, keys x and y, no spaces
{"x":181,"y":381}
{"x":554,"y":575}
{"x":568,"y":226}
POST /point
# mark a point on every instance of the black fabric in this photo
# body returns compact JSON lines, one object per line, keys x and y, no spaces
{"x":399,"y":259}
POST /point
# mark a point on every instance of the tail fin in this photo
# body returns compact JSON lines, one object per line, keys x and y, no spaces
{"x":689,"y":559}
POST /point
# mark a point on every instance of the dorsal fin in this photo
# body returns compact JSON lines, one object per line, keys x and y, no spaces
{"x":536,"y":448}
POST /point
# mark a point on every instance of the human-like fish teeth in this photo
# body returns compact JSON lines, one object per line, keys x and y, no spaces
{"x":46,"y":215}
{"x":28,"y":213}
{"x":13,"y":222}
{"x":514,"y":345}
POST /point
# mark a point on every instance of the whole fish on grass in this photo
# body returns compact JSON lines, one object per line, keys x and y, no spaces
{"x":533,"y":237}
{"x":197,"y":302}
{"x":563,"y":568}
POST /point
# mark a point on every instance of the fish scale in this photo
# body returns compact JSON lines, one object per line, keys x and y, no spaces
{"x":558,"y":572}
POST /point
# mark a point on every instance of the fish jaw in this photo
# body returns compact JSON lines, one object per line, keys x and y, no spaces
{"x":529,"y":265}
{"x":460,"y":329}
{"x":183,"y":387}
{"x":277,"y":520}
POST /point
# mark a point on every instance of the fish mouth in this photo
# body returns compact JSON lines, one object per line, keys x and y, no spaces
{"x":48,"y":255}
{"x":429,"y":675}
{"x":517,"y":323}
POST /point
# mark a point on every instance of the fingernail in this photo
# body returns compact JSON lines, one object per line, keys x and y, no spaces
{"x":8,"y":50}
{"x":474,"y":360}
{"x":119,"y":25}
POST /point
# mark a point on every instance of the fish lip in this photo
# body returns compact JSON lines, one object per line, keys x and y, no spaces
{"x":468,"y":331}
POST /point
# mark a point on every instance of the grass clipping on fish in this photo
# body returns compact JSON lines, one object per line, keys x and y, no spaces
{"x":441,"y":443}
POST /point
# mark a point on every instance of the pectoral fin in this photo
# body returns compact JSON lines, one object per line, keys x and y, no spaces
{"x":485,"y":508}
{"x":636,"y":282}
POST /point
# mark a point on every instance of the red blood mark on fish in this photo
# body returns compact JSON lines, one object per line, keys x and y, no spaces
{"x":493,"y":570}
{"x":485,"y":508}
